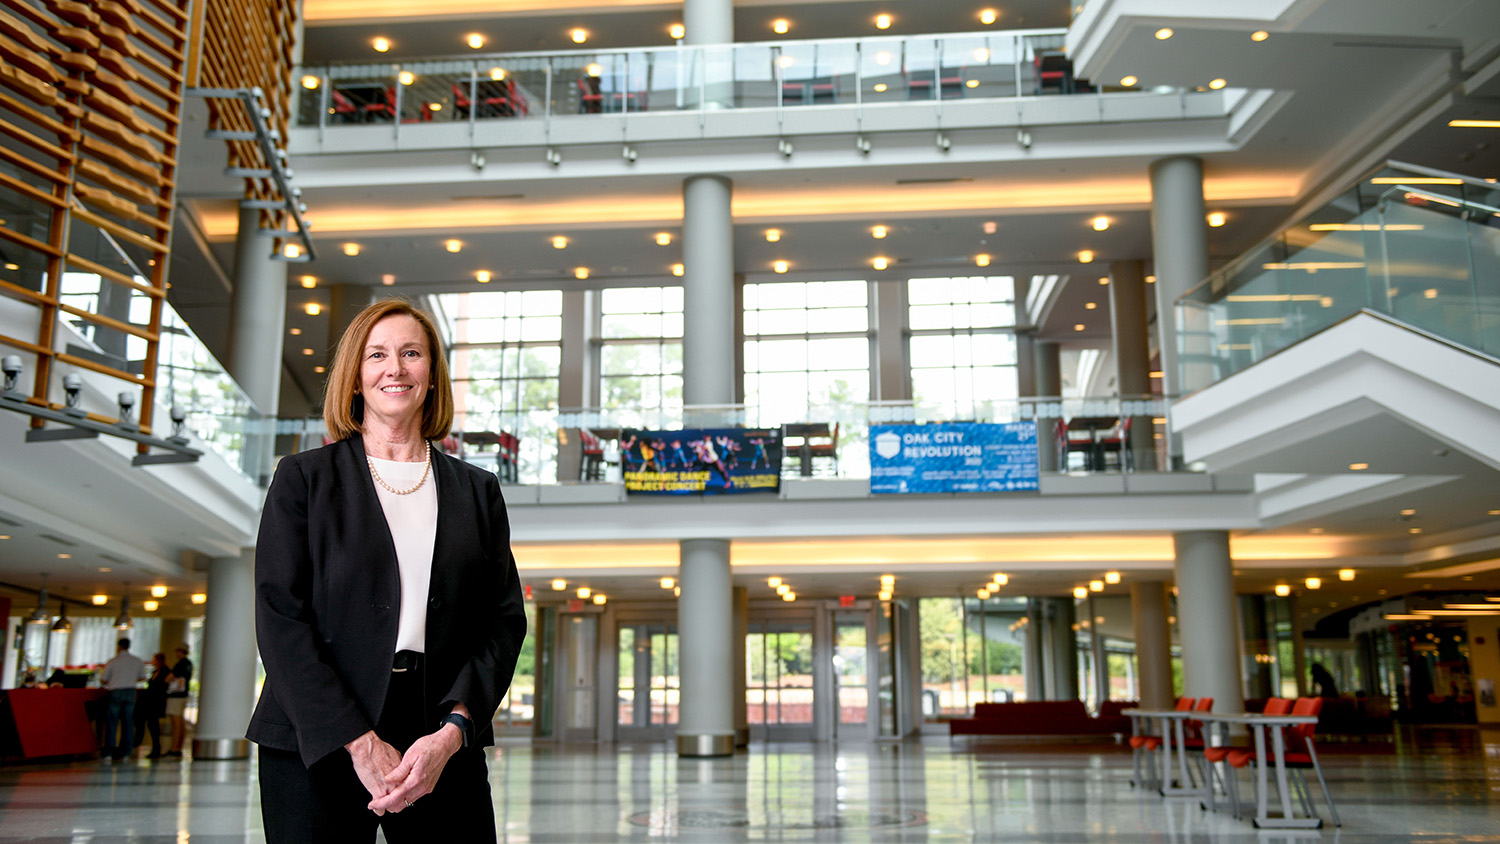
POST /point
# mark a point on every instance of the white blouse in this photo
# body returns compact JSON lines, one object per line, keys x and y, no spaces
{"x":412,"y":519}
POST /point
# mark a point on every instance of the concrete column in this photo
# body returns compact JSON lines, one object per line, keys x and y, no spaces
{"x":705,"y":633}
{"x":345,"y":301}
{"x":1026,"y":363}
{"x":576,"y":385}
{"x":1047,"y":358}
{"x":1207,"y":619}
{"x":1097,"y":654}
{"x":1033,"y":672}
{"x":708,"y":375}
{"x":1127,"y":316}
{"x":226,"y":668}
{"x":710,"y":23}
{"x":1179,"y":245}
{"x":1299,"y":648}
{"x":257,"y":326}
{"x":1153,"y":643}
{"x":741,"y":630}
{"x":891,"y":381}
{"x":1062,"y":650}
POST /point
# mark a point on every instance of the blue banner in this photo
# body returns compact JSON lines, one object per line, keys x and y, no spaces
{"x":711,"y":461}
{"x":954,"y":457}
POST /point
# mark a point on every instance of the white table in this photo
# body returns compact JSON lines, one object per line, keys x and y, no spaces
{"x":1173,"y":745}
{"x":1259,"y":726}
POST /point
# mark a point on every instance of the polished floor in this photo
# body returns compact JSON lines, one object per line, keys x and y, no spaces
{"x":1428,"y":786}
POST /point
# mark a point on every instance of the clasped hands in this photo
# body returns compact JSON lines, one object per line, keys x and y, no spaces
{"x":396,"y":781}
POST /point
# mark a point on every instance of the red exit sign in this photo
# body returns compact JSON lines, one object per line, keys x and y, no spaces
{"x":846,"y":601}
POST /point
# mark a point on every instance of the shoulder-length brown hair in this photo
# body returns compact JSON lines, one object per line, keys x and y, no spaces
{"x":344,"y":408}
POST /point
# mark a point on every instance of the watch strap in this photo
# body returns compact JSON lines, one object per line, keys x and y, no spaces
{"x":465,"y":726}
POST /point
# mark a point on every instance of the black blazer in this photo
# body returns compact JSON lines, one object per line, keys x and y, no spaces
{"x":328,"y":594}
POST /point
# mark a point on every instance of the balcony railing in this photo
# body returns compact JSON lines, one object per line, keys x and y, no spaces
{"x":544,"y":438}
{"x":762,"y":75}
{"x":1420,"y":245}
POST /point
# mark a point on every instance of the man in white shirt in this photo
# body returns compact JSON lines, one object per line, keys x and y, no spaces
{"x":119,"y":679}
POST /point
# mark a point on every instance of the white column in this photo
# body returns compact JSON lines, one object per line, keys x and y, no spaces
{"x":1153,"y":643}
{"x":737,"y":668}
{"x":1208,"y":619}
{"x":891,"y":380}
{"x":1179,"y":245}
{"x":708,"y":375}
{"x":257,"y":311}
{"x":226,"y":668}
{"x":1127,"y":316}
{"x":705,"y":633}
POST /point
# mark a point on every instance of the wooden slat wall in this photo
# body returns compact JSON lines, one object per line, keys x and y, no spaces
{"x":91,"y":95}
{"x":249,"y":43}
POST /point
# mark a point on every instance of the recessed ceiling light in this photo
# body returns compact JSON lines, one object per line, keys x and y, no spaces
{"x":1100,"y":224}
{"x":11,"y":265}
{"x":988,"y":16}
{"x":199,"y":598}
{"x":1080,"y":592}
{"x":309,"y":282}
{"x":1078,"y":327}
{"x":320,"y":369}
{"x":1103,"y":281}
{"x":1216,"y":219}
{"x":4,"y":536}
{"x":580,"y":273}
{"x":780,"y":26}
{"x":150,"y":606}
{"x":1128,"y":81}
{"x":780,"y":266}
{"x":310,"y":82}
{"x":1111,"y":577}
{"x":1217,"y":84}
{"x":475,"y":40}
{"x":1413,"y":530}
{"x":559,"y":242}
{"x":971,"y":83}
{"x":677,"y":30}
{"x":406,"y":77}
{"x":312,"y":308}
{"x":100,"y":600}
{"x":1164,"y":33}
{"x":1315,"y":530}
{"x":990,"y":226}
{"x":291,"y":250}
{"x":388,"y":279}
{"x":307,"y":352}
{"x":881,"y":87}
{"x":483,"y":276}
{"x":1314,"y":583}
{"x":1259,"y":35}
{"x":1150,"y":279}
{"x":1493,"y":513}
{"x":65,"y":556}
{"x":880,"y":263}
{"x":981,"y":260}
{"x":1283,"y":590}
{"x":1089,"y":306}
{"x":497,"y":74}
{"x":1086,"y":256}
{"x":381,"y":44}
{"x":453,"y":245}
{"x":773,"y":235}
{"x":351,"y":249}
{"x":295,"y":332}
{"x":1346,"y":575}
{"x":678,"y":270}
{"x":1408,"y":512}
{"x":663,"y":239}
{"x":882,"y":21}
{"x":879,"y":232}
{"x":579,"y":36}
{"x":1358,"y":467}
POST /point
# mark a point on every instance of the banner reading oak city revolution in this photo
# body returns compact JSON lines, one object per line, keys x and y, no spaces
{"x":714,"y":461}
{"x":954,"y":457}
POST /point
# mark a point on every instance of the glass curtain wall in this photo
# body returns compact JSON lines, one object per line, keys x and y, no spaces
{"x":779,"y":673}
{"x":962,"y":345}
{"x":518,"y":707}
{"x":972,"y":652}
{"x":807,"y":346}
{"x":640,"y":350}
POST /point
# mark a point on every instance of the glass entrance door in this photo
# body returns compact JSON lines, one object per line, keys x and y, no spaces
{"x":779,"y":678}
{"x":851,"y":674}
{"x":648,"y":688}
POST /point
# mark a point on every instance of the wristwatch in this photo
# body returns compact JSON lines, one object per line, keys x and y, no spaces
{"x":465,"y":727}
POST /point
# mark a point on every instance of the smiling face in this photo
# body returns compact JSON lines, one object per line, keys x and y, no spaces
{"x":395,"y":373}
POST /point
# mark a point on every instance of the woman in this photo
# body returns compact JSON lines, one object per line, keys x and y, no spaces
{"x":152,"y":705}
{"x":388,"y":610}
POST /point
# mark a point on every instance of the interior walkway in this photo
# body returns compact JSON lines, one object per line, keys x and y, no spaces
{"x":1437,"y":785}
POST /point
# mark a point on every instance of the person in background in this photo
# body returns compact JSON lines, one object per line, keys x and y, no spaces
{"x":119,"y":678}
{"x":177,"y":698}
{"x":151,"y":705}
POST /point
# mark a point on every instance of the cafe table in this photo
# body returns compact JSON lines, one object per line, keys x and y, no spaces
{"x":1260,"y":725}
{"x":1173,"y":731}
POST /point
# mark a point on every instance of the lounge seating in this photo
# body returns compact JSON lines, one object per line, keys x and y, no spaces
{"x":1039,"y":718}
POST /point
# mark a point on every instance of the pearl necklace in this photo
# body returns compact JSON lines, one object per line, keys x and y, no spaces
{"x":379,"y":480}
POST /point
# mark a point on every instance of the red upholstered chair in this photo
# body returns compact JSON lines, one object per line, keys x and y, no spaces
{"x":1299,"y":755}
{"x":342,"y":107}
{"x":507,"y":464}
{"x":592,"y":468}
{"x":381,"y":109}
{"x":1142,"y":747}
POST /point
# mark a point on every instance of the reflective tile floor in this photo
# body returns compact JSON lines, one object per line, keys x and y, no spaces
{"x":1431,"y":786}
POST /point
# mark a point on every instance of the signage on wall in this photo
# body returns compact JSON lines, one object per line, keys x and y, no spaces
{"x":954,"y":457}
{"x":702,"y":461}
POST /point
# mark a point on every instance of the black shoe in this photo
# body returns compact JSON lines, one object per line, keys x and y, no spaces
{"x":153,"y":755}
{"x":173,"y":753}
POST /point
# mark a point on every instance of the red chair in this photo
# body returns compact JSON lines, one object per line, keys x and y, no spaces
{"x":592,"y":467}
{"x":1296,"y":738}
{"x":342,"y":107}
{"x":1143,"y":746}
{"x":1116,"y":440}
{"x":1215,"y":755}
{"x":507,"y":465}
{"x":382,"y":108}
{"x":497,"y":98}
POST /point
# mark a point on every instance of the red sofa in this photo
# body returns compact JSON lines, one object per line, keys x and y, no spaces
{"x":1042,"y":718}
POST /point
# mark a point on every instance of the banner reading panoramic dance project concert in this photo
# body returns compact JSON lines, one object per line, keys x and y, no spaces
{"x":954,"y":457}
{"x":701,"y":461}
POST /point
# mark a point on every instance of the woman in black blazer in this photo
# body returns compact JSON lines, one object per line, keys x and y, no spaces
{"x":388,"y":610}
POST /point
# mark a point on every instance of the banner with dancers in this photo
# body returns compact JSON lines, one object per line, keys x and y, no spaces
{"x":702,"y":461}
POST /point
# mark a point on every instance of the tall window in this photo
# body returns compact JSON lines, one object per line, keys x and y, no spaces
{"x":507,"y":354}
{"x":962,"y":346}
{"x":640,"y":353}
{"x":807,"y":346}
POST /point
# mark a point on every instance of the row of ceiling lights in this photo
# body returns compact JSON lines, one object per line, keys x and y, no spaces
{"x":1166,"y":33}
{"x":578,"y":35}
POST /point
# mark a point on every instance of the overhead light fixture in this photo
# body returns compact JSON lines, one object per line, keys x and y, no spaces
{"x":981,"y":260}
{"x":1358,"y":467}
{"x":70,"y":556}
{"x":983,"y":594}
{"x":580,"y":273}
{"x":599,"y":599}
{"x":880,"y":263}
{"x":310,"y":82}
{"x":1164,"y":33}
{"x":309,"y":282}
{"x":885,"y":595}
{"x":1283,"y":590}
{"x":993,"y":587}
{"x":497,"y":74}
{"x":158,"y":591}
{"x":773,"y":235}
{"x":559,"y":242}
{"x":100,"y":600}
{"x":1414,"y":531}
{"x":62,"y":625}
{"x":668,"y":583}
{"x":773,"y":582}
{"x":1404,"y":616}
{"x":388,"y":279}
{"x":677,"y":591}
{"x":887,"y":580}
{"x":1080,"y":592}
{"x":1078,"y":326}
{"x":351,"y":249}
{"x":381,"y":45}
{"x":988,"y":16}
{"x":1100,"y":224}
{"x":1150,"y":279}
{"x":1002,"y":579}
{"x":663,"y":238}
{"x":312,"y":308}
{"x":879,"y":232}
{"x":1111,"y":577}
{"x":1474,"y":124}
{"x":150,"y":606}
{"x":1346,"y":575}
{"x":1128,"y":81}
{"x":882,"y":21}
{"x":1096,"y":586}
{"x":780,"y":26}
{"x":123,"y":621}
{"x":579,"y":36}
{"x":584,"y":592}
{"x":1089,"y":306}
{"x":406,"y":77}
{"x":559,"y":585}
{"x":475,"y":40}
{"x":453,"y":245}
{"x":1313,"y":583}
{"x":199,"y":598}
{"x":1086,"y":256}
{"x":1217,"y":84}
{"x":594,"y":69}
{"x":307,"y":352}
{"x":483,"y":276}
{"x":1216,"y":219}
{"x":780,"y":266}
{"x":320,"y":369}
{"x":677,"y":31}
{"x":1259,"y":35}
{"x":291,"y":250}
{"x":783,"y":589}
{"x":1416,"y":180}
{"x":39,"y":615}
{"x":789,"y":597}
{"x":881,"y":87}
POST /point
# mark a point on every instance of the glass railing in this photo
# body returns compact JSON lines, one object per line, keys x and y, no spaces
{"x":545,"y":446}
{"x":763,"y":75}
{"x":1420,"y":245}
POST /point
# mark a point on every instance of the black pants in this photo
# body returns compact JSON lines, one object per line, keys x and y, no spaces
{"x":327,"y":801}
